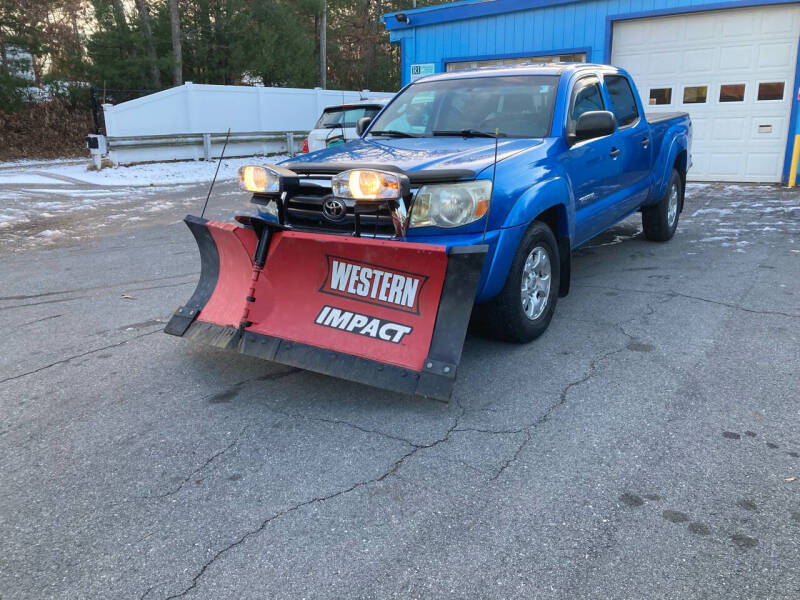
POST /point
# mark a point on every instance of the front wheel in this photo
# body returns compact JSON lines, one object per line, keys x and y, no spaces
{"x":523,"y":309}
{"x":661,"y":220}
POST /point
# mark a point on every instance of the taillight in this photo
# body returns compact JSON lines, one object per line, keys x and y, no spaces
{"x":305,"y":146}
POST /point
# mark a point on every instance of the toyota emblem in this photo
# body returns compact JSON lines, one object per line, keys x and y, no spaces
{"x":334,"y":209}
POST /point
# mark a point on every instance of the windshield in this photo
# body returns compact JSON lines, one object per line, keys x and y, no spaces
{"x":518,"y":106}
{"x":341,"y":116}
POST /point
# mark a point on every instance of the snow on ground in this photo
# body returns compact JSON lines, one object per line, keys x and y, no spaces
{"x":32,"y":190}
{"x":29,"y":204}
{"x":37,"y":163}
{"x":164,"y":173}
{"x":23,"y":179}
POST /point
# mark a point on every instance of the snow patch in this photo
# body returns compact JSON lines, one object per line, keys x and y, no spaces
{"x":714,"y":238}
{"x":22,"y":179}
{"x":712,"y":211}
{"x":50,"y":233}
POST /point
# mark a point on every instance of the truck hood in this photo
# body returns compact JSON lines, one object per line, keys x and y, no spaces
{"x":431,"y":155}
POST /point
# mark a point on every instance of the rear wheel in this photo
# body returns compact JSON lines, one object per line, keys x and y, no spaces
{"x":661,"y":220}
{"x":522,"y":311}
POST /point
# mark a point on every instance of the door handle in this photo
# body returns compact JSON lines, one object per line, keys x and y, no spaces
{"x":615,"y":152}
{"x":645,"y":142}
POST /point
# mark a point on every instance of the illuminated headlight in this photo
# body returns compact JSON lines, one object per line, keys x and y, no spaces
{"x":267,"y":180}
{"x":451,"y":204}
{"x":369,"y":185}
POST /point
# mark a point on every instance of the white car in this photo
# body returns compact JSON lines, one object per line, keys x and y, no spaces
{"x":337,"y":124}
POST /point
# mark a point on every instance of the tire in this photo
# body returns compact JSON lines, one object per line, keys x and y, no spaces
{"x":507,"y":317}
{"x":661,"y":220}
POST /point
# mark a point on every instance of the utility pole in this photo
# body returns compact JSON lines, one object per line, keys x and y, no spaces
{"x":177,"y":53}
{"x":323,"y":46}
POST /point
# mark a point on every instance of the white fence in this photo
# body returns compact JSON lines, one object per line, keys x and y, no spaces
{"x":190,"y":121}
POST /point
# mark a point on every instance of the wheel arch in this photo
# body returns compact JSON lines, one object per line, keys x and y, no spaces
{"x":549,"y":201}
{"x":681,"y":165}
{"x":555,"y":217}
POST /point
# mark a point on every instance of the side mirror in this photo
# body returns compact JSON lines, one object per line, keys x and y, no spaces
{"x":362,"y":124}
{"x":593,"y":124}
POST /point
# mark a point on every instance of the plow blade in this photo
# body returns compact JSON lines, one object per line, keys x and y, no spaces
{"x":381,"y":312}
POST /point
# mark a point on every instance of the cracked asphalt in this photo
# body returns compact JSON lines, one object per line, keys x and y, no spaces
{"x":646,"y":446}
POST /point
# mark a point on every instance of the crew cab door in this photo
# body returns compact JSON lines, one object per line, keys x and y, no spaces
{"x":632,"y":138}
{"x":591,"y":165}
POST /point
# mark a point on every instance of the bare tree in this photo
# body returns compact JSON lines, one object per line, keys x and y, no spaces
{"x":177,"y":55}
{"x":144,"y":19}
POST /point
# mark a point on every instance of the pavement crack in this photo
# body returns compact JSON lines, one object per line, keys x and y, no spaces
{"x":82,"y":354}
{"x":344,"y":423}
{"x":95,"y":287}
{"x":673,"y":293}
{"x":70,"y":299}
{"x":562,"y":399}
{"x":491,"y":431}
{"x":34,"y":321}
{"x":735,"y":306}
{"x":317,"y":500}
{"x":199,"y":469}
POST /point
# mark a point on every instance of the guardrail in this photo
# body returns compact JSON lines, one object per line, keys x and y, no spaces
{"x":190,"y":121}
{"x":191,"y":146}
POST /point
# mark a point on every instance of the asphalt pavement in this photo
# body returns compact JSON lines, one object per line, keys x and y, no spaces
{"x":646,"y":446}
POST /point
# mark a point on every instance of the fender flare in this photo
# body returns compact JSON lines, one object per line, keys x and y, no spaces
{"x":540,"y":197}
{"x":662,"y":170}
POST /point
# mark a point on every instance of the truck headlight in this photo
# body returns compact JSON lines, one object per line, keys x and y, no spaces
{"x":370,"y":185}
{"x":451,"y":204}
{"x":268,"y":180}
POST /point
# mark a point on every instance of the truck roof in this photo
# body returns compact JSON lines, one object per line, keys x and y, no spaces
{"x":523,"y":69}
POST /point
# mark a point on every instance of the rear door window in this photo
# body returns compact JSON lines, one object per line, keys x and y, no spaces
{"x":341,"y":116}
{"x":623,"y":102}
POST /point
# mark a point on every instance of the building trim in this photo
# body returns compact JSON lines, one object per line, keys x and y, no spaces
{"x":532,"y":54}
{"x":794,"y":119}
{"x":466,"y":9}
{"x":469,"y":9}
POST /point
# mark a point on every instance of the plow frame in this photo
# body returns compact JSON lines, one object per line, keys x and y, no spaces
{"x":438,"y":374}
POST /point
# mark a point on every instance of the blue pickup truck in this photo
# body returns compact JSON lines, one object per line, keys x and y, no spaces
{"x":575,"y":154}
{"x":463,"y":198}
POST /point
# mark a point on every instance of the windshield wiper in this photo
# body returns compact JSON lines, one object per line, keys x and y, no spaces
{"x":467,"y":133}
{"x":394,"y":133}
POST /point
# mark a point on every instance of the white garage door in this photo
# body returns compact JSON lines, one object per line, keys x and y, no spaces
{"x":732,"y":71}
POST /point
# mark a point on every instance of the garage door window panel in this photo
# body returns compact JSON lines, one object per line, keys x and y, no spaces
{"x":623,"y":103}
{"x":733,"y":92}
{"x":660,"y":96}
{"x":695,"y":94}
{"x":771,"y":90}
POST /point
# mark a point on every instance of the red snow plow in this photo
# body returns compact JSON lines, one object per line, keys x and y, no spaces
{"x":382,"y":312}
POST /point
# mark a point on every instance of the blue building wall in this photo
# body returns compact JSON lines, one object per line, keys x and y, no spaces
{"x":477,"y":29}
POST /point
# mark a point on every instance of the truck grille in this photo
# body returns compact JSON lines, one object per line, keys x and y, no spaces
{"x":306,"y":210}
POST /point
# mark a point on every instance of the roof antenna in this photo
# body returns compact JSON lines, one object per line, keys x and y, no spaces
{"x":219,"y":162}
{"x":491,"y":192}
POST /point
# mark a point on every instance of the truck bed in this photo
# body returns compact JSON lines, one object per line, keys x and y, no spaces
{"x":658,"y":117}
